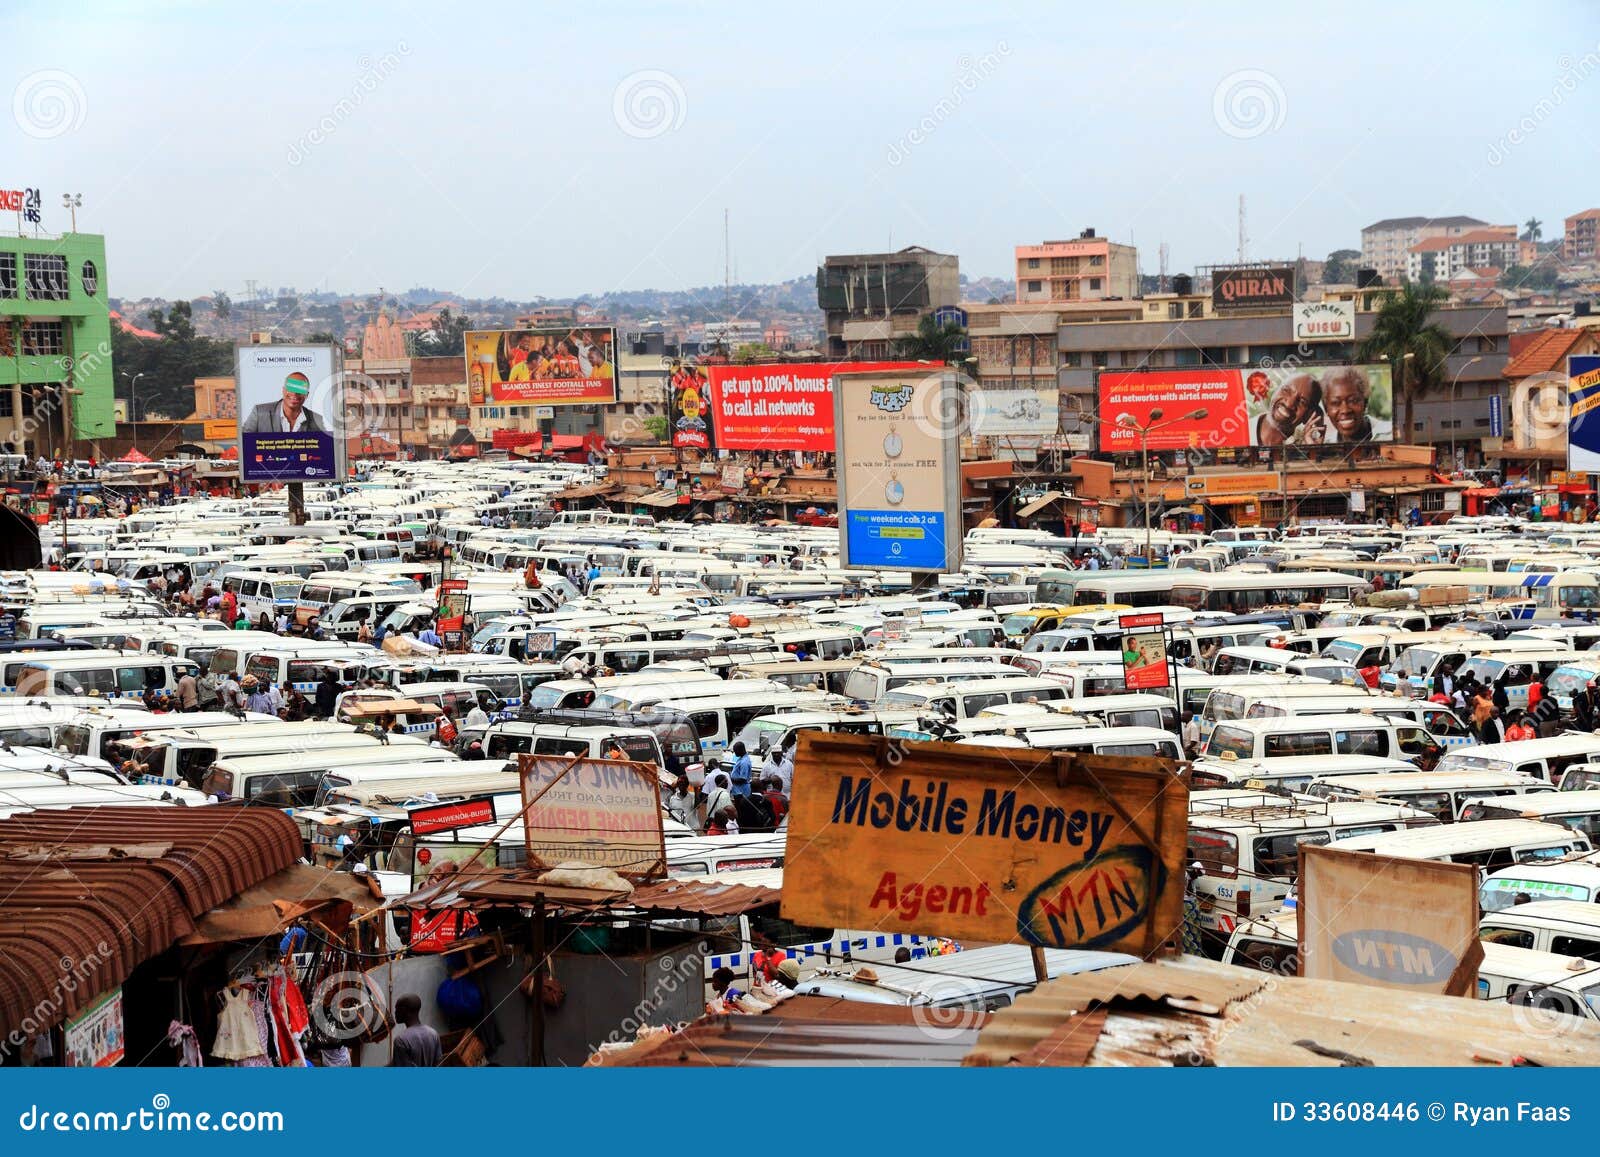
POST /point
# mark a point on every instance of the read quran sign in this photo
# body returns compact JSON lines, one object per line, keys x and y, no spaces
{"x":986,"y":844}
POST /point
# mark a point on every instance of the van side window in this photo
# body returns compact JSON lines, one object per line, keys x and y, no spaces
{"x":1516,"y":937}
{"x":1280,"y":855}
{"x":1359,"y":742}
{"x":1297,"y":743}
{"x":704,"y":723}
{"x":98,"y":679}
{"x":1580,"y":946}
{"x":549,"y":745}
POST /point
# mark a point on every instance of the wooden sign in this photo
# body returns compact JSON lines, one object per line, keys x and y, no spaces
{"x":1382,"y":920}
{"x":603,"y":813}
{"x":1059,"y":850}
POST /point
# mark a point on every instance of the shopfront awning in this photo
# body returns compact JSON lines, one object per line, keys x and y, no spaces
{"x":1040,"y":503}
{"x":657,"y":498}
{"x":1234,"y":499}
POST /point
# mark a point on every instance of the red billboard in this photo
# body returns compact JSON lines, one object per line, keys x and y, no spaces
{"x":781,"y":407}
{"x":1206,"y":408}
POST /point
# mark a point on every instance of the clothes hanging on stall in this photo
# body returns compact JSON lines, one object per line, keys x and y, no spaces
{"x":237,"y":1036}
{"x":182,"y":1037}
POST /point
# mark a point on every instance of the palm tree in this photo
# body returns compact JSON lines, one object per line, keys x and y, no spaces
{"x":1414,"y":346}
{"x":1533,"y":229}
{"x":933,"y":342}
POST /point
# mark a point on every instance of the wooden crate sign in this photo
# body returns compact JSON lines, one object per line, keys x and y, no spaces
{"x":986,"y":844}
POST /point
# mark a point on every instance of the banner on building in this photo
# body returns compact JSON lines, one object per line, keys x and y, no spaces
{"x":780,"y":407}
{"x":996,"y":410}
{"x":1583,"y":413}
{"x":292,"y":422}
{"x":689,"y":408}
{"x":1252,"y":287}
{"x":1387,"y":921}
{"x":603,"y":813}
{"x":995,"y":845}
{"x":899,"y":470}
{"x":556,"y":366}
{"x":1206,"y":409}
{"x":1316,"y":321}
{"x":95,"y":1038}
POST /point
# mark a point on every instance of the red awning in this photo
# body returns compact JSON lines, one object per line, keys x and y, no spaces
{"x":1481,"y":491}
{"x":231,"y":454}
{"x":134,"y":456}
{"x":566,"y":441}
{"x":511,"y":439}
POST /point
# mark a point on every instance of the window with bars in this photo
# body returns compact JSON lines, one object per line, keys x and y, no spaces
{"x":91,"y":278}
{"x":8,"y":275}
{"x":43,"y":339}
{"x":46,"y":275}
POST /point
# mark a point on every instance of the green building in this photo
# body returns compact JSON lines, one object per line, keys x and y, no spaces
{"x":55,"y":344}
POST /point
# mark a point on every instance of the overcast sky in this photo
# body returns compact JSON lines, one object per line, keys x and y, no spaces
{"x":489,"y":149}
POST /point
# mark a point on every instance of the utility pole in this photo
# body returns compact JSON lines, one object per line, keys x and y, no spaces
{"x":1243,"y":236}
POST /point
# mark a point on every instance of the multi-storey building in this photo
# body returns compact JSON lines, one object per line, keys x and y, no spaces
{"x":1386,"y":245}
{"x":1441,"y":258}
{"x":873,"y":301}
{"x":1088,"y":268}
{"x":1579,"y":239}
{"x":55,"y":344}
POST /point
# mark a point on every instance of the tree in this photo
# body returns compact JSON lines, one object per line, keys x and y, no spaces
{"x":1540,"y":276}
{"x":755,"y":351}
{"x":166,"y":367}
{"x":223,"y":304}
{"x":1533,"y":229}
{"x":933,"y":342}
{"x":1340,"y":268}
{"x":1414,"y":345}
{"x":446,"y":336}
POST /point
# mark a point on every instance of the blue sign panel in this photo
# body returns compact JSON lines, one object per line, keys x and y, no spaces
{"x":1583,"y":410}
{"x":897,"y":538}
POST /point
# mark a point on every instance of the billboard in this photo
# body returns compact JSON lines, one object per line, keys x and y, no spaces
{"x":291,"y":413}
{"x":1386,"y":921}
{"x":689,"y":408}
{"x":1144,"y":652}
{"x":899,"y":470}
{"x":1583,"y":422}
{"x":995,"y":411}
{"x":996,"y":845}
{"x":603,"y":813}
{"x":780,"y":407}
{"x":1252,"y":287}
{"x":556,"y":366}
{"x":1324,"y":321}
{"x":1304,"y":405}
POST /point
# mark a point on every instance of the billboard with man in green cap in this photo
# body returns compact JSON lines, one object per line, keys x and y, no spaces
{"x":285,"y":395}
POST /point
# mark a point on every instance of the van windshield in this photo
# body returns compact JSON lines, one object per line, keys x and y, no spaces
{"x":1504,"y":893}
{"x":1234,"y":739}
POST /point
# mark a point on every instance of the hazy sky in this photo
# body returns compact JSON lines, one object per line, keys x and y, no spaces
{"x":528,"y":149}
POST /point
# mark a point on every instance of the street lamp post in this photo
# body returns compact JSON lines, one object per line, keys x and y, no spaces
{"x":133,"y":406}
{"x":1455,"y":381}
{"x":1129,"y":422}
{"x":72,"y":202}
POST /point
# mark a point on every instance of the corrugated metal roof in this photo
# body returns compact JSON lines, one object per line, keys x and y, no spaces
{"x":703,"y":897}
{"x":806,"y":1030}
{"x":99,"y":918}
{"x":1192,"y":1011}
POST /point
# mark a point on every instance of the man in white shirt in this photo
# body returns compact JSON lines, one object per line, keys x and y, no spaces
{"x":289,"y":416}
{"x":477,"y":719}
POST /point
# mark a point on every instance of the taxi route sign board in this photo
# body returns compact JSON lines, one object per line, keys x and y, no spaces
{"x":1059,"y":850}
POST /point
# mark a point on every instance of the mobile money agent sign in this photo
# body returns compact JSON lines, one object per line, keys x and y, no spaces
{"x":291,"y":413}
{"x":1387,"y":921}
{"x":1001,"y":845}
{"x":899,"y":470}
{"x":603,"y":813}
